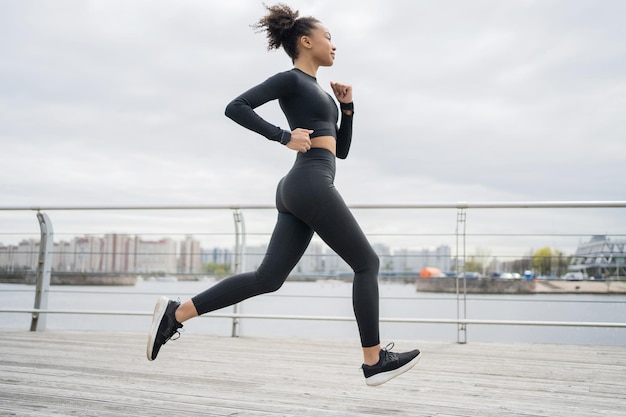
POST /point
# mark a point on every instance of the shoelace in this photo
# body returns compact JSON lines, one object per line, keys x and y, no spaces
{"x":388,"y":353}
{"x":176,"y":333}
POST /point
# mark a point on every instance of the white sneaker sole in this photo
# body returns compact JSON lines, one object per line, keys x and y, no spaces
{"x":159,"y":312}
{"x":383,"y":377}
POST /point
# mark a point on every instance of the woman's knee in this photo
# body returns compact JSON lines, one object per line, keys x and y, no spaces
{"x":370,"y":263}
{"x":375,"y":262}
{"x":269,"y":282}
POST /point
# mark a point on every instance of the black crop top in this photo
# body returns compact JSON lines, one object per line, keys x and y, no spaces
{"x":305,"y":104}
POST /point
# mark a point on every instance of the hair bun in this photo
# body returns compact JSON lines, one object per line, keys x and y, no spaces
{"x":282,"y":17}
{"x":283,"y":27}
{"x":278,"y":22}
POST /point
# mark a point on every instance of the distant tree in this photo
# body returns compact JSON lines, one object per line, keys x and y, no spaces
{"x":478,"y":261}
{"x":562,"y":263}
{"x":521,"y":265}
{"x":542,"y":261}
{"x":548,"y":261}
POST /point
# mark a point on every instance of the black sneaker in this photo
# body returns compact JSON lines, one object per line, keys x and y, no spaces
{"x":390,"y":365}
{"x":164,"y":326}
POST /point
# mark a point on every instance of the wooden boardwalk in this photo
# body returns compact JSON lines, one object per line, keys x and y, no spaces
{"x":61,"y":373}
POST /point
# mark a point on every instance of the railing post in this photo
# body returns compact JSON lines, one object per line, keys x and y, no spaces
{"x":240,"y":243}
{"x":461,"y":298}
{"x":44,"y":267}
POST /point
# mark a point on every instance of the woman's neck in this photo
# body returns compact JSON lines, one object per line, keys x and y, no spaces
{"x":307,"y":67}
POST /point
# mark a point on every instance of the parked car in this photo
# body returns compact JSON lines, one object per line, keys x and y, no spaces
{"x":573,"y":276}
{"x":470,"y":275}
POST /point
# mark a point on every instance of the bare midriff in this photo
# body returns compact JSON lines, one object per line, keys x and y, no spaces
{"x":325,"y":142}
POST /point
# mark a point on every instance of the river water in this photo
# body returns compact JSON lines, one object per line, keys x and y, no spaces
{"x":333,"y":298}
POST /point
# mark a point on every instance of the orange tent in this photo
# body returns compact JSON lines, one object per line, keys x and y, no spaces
{"x":429,"y":272}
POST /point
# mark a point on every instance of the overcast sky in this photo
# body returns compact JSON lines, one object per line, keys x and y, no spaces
{"x":122,"y":103}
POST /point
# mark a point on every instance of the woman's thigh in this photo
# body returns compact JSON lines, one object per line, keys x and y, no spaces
{"x":290,"y":238}
{"x":337,"y":226}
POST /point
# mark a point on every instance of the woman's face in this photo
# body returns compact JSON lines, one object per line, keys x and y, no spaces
{"x":321,"y":47}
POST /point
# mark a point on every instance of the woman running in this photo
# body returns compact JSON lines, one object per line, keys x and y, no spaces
{"x":306,"y":198}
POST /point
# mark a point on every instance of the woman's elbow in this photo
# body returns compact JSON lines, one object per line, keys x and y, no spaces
{"x":231,"y":109}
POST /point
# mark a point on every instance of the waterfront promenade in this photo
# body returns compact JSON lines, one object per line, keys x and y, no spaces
{"x":63,"y":373}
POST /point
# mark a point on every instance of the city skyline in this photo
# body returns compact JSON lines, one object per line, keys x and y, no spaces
{"x":133,"y":253}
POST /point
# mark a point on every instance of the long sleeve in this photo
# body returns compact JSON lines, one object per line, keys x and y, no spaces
{"x":241,"y":109}
{"x":344,"y":133}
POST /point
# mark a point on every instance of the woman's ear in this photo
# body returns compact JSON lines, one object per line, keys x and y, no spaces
{"x":305,"y":41}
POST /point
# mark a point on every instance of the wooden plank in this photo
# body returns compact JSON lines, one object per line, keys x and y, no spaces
{"x":107,"y":374}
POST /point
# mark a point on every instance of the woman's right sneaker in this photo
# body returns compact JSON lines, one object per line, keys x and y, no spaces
{"x":164,"y":326}
{"x":390,"y":365}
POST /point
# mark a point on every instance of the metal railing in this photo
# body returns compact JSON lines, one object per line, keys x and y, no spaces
{"x":39,"y":311}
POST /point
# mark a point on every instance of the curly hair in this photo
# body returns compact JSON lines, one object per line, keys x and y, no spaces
{"x":283,"y":28}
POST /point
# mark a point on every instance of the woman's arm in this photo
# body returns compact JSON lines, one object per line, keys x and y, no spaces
{"x":241,"y":109}
{"x":344,"y":134}
{"x":343,"y":92}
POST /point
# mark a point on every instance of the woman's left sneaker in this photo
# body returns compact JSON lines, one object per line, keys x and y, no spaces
{"x":164,"y":326}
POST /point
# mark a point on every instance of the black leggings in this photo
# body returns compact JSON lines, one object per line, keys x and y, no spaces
{"x":308,"y":202}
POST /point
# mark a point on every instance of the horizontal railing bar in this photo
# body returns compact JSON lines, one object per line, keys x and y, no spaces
{"x":451,"y":297}
{"x":433,"y":205}
{"x":369,"y":234}
{"x":335,"y":318}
